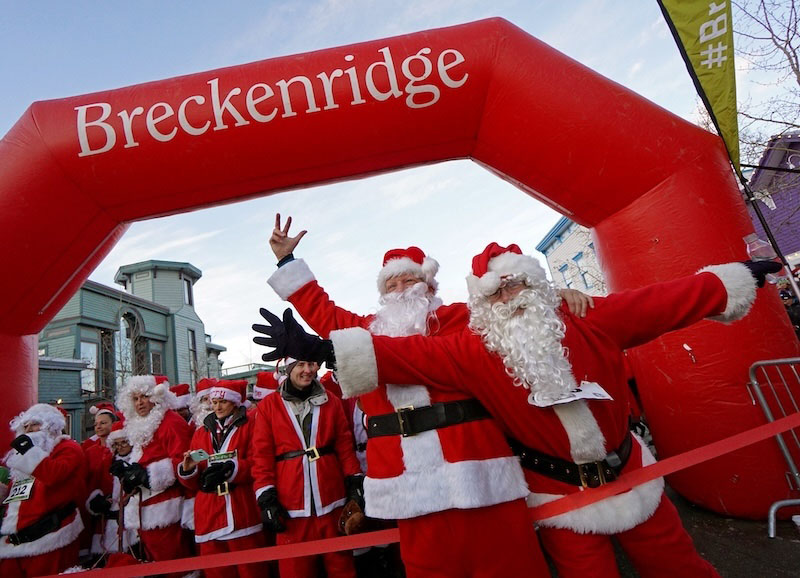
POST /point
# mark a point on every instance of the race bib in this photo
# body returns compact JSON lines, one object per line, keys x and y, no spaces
{"x":21,"y":490}
{"x":221,"y":457}
{"x":586,"y":390}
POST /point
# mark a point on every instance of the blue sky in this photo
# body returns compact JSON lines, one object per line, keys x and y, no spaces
{"x":59,"y":49}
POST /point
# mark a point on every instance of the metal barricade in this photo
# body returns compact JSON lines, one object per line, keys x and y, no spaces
{"x":775,"y":384}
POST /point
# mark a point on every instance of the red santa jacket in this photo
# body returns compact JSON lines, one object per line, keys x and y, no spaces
{"x":580,"y":431}
{"x":160,"y":504}
{"x":468,"y":465}
{"x":235,"y":514}
{"x":59,"y":479}
{"x":100,"y":480}
{"x":298,"y":479}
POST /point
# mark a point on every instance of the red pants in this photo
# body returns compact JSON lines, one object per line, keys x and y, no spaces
{"x":481,"y":542}
{"x":658,"y":547}
{"x":42,"y":565}
{"x":254,"y":570}
{"x":166,"y":543}
{"x":337,"y":564}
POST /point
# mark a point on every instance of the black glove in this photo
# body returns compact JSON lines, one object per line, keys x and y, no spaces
{"x":354,"y":488}
{"x":135,"y":476}
{"x":290,"y":340}
{"x":99,"y":505}
{"x":760,"y":269}
{"x":273,"y":513}
{"x":215,"y":475}
{"x":118,"y":468}
{"x":22,"y":443}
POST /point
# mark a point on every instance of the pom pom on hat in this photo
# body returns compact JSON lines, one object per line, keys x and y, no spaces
{"x":229,"y":389}
{"x":182,"y":394}
{"x":495,"y":262}
{"x":412,"y":261}
{"x":104,"y":407}
{"x":266,"y":383}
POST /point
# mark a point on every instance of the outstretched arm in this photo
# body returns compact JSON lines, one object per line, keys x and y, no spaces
{"x":578,"y":303}
{"x":281,"y":243}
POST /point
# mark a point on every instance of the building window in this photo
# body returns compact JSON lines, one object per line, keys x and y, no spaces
{"x":89,"y":354}
{"x":155,"y":363}
{"x":42,"y":351}
{"x":187,"y":292}
{"x":192,"y":357}
{"x":578,"y":259}
{"x":567,"y":281}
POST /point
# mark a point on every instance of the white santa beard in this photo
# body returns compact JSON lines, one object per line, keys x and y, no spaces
{"x":200,"y":411}
{"x":526,"y":333}
{"x":140,"y":429}
{"x":405,"y":313}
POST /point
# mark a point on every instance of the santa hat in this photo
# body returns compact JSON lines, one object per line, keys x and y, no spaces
{"x":496,"y":262}
{"x":412,"y":261}
{"x":202,"y":387}
{"x":182,"y":394}
{"x":117,"y":433}
{"x":230,"y":389}
{"x":156,"y":387}
{"x":266,"y":383}
{"x":104,"y":407}
{"x":51,"y":419}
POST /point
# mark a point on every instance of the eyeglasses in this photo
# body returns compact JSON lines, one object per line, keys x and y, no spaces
{"x":508,"y":286}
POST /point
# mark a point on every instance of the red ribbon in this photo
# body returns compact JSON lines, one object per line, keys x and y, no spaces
{"x":554,"y":508}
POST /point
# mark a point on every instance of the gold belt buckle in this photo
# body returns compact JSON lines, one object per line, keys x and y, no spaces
{"x":314,"y":455}
{"x":401,"y":420}
{"x":584,"y":475}
{"x":223,"y":489}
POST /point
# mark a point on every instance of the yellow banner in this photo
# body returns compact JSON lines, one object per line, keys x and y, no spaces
{"x":704,"y":32}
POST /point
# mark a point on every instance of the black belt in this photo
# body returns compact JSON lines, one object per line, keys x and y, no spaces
{"x":362,"y":447}
{"x":43,"y":526}
{"x":590,"y":475}
{"x":409,"y":421}
{"x":222,"y":489}
{"x":112,"y":515}
{"x":313,"y":453}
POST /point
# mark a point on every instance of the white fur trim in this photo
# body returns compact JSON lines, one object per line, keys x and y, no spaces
{"x":612,"y":515}
{"x":356,"y":366}
{"x":182,"y":401}
{"x":51,"y":419}
{"x":28,"y":461}
{"x":90,"y":498}
{"x":462,"y":485}
{"x":260,"y":393}
{"x":290,"y":277}
{"x":505,"y":264}
{"x":741,"y":288}
{"x":47,"y":543}
{"x":161,"y":475}
{"x":158,"y":515}
{"x":403,"y":265}
{"x":263,"y":489}
{"x":243,"y":532}
{"x":586,"y":440}
{"x":218,"y":392}
{"x":187,"y":514}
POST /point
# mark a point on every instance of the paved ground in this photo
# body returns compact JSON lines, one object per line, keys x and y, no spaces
{"x":738,"y":548}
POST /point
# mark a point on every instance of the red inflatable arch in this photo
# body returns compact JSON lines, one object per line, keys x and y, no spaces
{"x":658,"y":191}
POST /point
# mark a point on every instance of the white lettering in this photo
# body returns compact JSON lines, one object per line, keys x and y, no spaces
{"x":443,"y":68}
{"x":127,"y":125}
{"x":713,"y":8}
{"x":392,"y":77}
{"x":225,"y":105}
{"x":411,"y":88}
{"x":351,"y":73}
{"x":287,"y":103}
{"x":714,"y":28}
{"x":252,"y":102}
{"x":327,"y":86}
{"x":83,"y":124}
{"x":153,"y":120}
{"x":184,"y":122}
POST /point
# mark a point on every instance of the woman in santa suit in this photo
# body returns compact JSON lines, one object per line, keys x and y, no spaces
{"x":305,"y":468}
{"x":227,"y":518}
{"x":41,"y":524}
{"x":159,"y":437}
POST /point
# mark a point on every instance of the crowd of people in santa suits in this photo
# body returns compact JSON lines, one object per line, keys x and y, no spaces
{"x":461,"y":416}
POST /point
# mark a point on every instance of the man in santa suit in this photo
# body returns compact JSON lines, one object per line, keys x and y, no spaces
{"x":41,"y":525}
{"x":457,"y":474}
{"x":522,"y":354}
{"x":227,"y":518}
{"x":183,"y":396}
{"x":159,"y":437}
{"x":304,"y":468}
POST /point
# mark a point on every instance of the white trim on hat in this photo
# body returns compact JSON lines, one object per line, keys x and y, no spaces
{"x":219,"y":392}
{"x":503,"y":265}
{"x":405,"y":265}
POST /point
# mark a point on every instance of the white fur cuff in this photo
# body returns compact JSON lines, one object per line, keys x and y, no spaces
{"x":289,"y":278}
{"x":29,"y":461}
{"x":741,"y":288}
{"x":356,"y":366}
{"x":161,"y":475}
